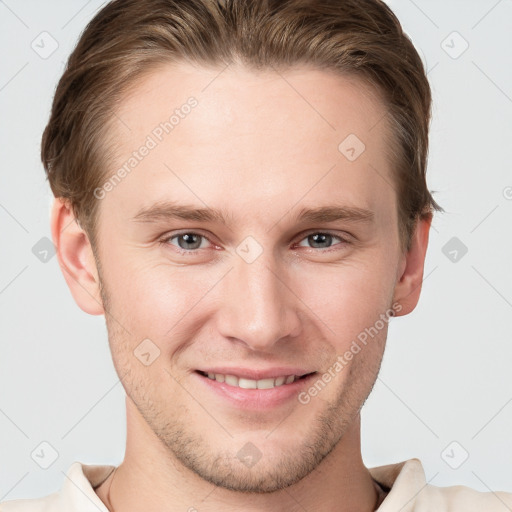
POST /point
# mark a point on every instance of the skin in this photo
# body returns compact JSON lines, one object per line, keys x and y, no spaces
{"x":256,"y":149}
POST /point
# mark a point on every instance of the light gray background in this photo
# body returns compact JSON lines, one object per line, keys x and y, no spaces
{"x":446,"y":372}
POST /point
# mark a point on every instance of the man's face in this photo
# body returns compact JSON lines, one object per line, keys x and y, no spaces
{"x":265,"y":292}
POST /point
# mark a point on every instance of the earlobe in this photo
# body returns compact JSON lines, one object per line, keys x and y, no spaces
{"x":76,"y":259}
{"x":408,"y":286}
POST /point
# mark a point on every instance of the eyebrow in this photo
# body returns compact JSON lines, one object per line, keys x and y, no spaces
{"x":166,"y":211}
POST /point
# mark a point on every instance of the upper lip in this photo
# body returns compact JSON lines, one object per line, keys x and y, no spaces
{"x":257,"y":374}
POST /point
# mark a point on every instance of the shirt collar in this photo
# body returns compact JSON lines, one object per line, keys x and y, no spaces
{"x":404,"y":479}
{"x":79,"y":484}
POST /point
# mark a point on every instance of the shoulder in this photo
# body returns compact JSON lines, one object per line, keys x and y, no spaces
{"x":408,"y":491}
{"x":48,"y":503}
{"x":464,"y":499}
{"x":76,"y":493}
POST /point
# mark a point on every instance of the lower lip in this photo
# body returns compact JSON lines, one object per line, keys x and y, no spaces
{"x":256,"y":398}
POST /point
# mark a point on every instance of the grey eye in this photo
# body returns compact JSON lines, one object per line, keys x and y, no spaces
{"x":319,"y":240}
{"x":188,"y":241}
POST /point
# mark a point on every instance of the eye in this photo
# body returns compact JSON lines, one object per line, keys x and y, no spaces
{"x":186,"y":242}
{"x":191,"y":242}
{"x":323,"y":240}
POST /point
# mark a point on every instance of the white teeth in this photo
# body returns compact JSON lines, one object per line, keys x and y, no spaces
{"x":247,"y":383}
{"x":243,"y":383}
{"x":265,"y":383}
{"x":231,"y":380}
{"x":280,"y":381}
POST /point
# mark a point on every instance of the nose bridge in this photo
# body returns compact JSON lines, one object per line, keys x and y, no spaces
{"x":257,"y":306}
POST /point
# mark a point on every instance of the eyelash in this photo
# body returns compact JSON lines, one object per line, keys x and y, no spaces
{"x":166,"y":239}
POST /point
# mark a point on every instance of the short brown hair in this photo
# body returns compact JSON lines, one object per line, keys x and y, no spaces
{"x":127,"y":38}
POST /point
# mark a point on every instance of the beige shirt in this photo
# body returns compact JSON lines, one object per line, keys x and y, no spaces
{"x":408,"y":492}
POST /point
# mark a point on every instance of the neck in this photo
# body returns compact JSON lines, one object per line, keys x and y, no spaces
{"x":151,"y":479}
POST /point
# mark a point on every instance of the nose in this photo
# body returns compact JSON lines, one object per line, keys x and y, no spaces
{"x":258,"y":307}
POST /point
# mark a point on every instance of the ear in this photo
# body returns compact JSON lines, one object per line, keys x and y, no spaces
{"x":76,"y":259}
{"x":410,"y":277}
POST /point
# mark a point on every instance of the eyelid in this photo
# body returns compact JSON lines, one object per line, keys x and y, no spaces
{"x":343,"y":239}
{"x":165,"y":239}
{"x":343,"y":236}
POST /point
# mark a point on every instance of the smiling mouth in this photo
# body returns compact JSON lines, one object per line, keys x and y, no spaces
{"x":241,"y":382}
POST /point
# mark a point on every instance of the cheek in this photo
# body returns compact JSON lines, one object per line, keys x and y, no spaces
{"x":349,"y":298}
{"x":157,"y":300}
{"x":168,"y":303}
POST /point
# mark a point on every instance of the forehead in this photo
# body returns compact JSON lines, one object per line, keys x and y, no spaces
{"x":326,"y":103}
{"x":250,"y":138}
